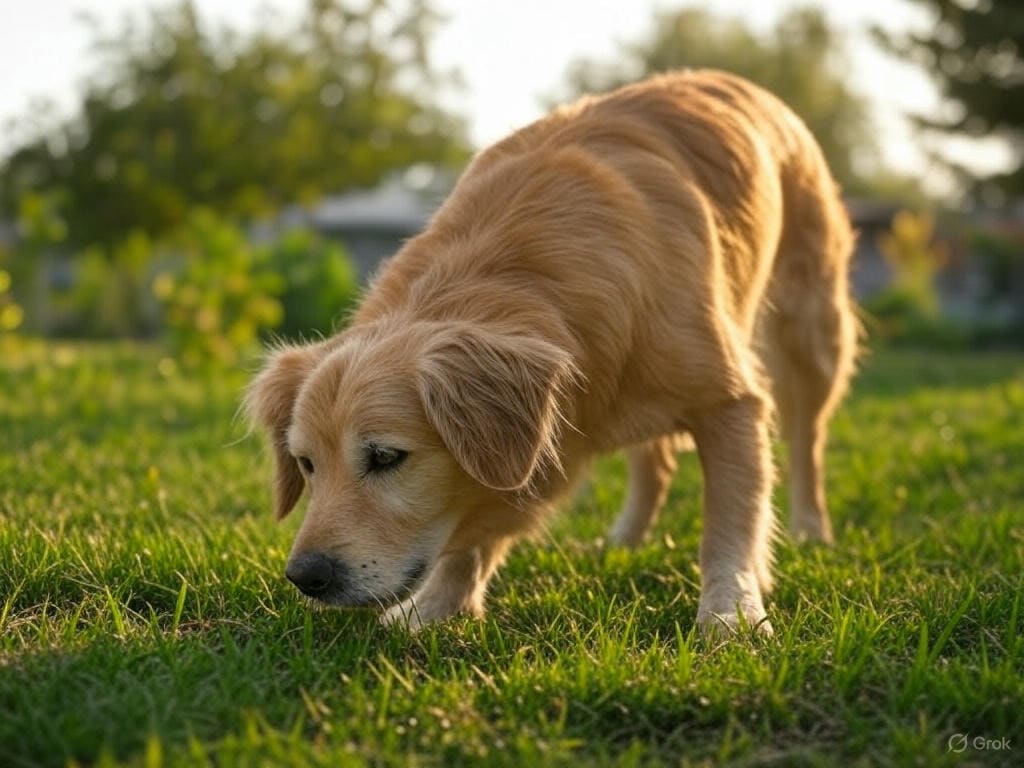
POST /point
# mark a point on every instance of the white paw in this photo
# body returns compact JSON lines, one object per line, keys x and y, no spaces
{"x":625,"y":536}
{"x":730,"y":605}
{"x":811,"y":526}
{"x":722,"y":625}
{"x":404,"y":614}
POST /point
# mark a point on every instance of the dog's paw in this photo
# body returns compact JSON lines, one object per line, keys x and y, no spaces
{"x":404,"y":614}
{"x":722,"y":626}
{"x":622,"y":535}
{"x":811,"y":527}
{"x":728,"y":612}
{"x":416,"y":612}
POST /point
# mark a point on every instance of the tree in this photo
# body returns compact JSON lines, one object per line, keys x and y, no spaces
{"x":176,"y":115}
{"x":975,"y":53}
{"x":801,"y":60}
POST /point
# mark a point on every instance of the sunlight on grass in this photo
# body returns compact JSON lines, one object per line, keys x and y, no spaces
{"x":144,"y":619}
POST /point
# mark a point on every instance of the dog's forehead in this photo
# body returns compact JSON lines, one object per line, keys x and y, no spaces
{"x":366,"y":382}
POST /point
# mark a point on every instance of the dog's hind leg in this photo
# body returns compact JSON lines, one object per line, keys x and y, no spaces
{"x":651,"y":467}
{"x":809,"y":340}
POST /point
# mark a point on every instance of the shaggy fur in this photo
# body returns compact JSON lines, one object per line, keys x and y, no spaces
{"x":666,"y":260}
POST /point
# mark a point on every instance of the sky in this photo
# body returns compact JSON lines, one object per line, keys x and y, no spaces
{"x":510,"y":55}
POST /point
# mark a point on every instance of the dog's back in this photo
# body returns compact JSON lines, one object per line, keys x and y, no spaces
{"x":748,"y":156}
{"x":699,"y":178}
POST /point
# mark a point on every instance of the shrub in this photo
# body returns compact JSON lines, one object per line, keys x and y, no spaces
{"x":207,"y":288}
{"x":320,"y":283}
{"x":10,"y":313}
{"x":910,"y":305}
{"x":107,"y":296}
{"x":219,"y":293}
{"x":41,"y":231}
{"x":1001,"y":253}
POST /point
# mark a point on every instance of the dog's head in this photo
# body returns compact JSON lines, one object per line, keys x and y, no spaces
{"x":403,"y":435}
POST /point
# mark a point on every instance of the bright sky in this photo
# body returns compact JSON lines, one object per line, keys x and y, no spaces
{"x":510,"y":55}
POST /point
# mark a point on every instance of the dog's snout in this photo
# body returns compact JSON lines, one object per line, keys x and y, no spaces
{"x":312,"y":573}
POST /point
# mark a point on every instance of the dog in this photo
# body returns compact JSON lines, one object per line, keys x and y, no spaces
{"x":669,"y":259}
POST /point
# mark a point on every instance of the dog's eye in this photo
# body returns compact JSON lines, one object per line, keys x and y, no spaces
{"x":306,"y":464}
{"x":380,"y":458}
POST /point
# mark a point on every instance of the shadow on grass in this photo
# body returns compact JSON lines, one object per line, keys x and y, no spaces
{"x":289,"y":671}
{"x":586,"y":656}
{"x":107,"y":696}
{"x":581,"y":651}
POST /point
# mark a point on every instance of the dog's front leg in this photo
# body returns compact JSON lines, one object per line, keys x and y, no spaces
{"x":735,"y":554}
{"x":457,"y":584}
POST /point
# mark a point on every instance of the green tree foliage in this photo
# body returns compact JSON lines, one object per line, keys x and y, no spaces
{"x":908,"y":310}
{"x":801,"y":59}
{"x":320,"y":283}
{"x":975,"y":53}
{"x":11,"y":314}
{"x":219,"y":292}
{"x":177,"y":114}
{"x":221,"y":295}
{"x":40,"y":229}
{"x":915,"y":258}
{"x":108,"y":295}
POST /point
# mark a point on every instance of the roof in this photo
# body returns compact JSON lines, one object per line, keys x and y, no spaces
{"x":390,"y":207}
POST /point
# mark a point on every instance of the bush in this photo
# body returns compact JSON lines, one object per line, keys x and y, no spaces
{"x":206,"y":288}
{"x":915,"y":259}
{"x":1002,"y":255}
{"x":908,"y":310}
{"x":10,"y":313}
{"x":220,"y":295}
{"x":320,"y":283}
{"x":41,"y":231}
{"x":107,"y":293}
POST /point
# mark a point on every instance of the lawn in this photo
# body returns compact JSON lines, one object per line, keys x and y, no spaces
{"x":145,"y":619}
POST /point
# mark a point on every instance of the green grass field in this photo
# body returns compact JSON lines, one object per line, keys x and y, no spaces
{"x":145,"y":619}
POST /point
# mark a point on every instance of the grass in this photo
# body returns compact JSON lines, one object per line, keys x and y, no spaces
{"x":144,"y":619}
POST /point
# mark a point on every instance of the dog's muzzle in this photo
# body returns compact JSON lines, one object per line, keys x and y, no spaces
{"x":314,"y":574}
{"x":330,"y":581}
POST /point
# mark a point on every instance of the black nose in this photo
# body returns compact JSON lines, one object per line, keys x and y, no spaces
{"x":311,"y":573}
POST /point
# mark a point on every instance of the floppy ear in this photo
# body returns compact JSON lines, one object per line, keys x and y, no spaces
{"x":269,"y":402}
{"x":495,"y":400}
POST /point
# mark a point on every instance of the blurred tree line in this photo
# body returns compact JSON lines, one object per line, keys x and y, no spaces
{"x":184,"y":134}
{"x":139,"y":204}
{"x":975,"y":54}
{"x":177,"y":114}
{"x":801,"y":59}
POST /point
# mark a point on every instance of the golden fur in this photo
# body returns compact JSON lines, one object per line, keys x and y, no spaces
{"x":669,"y":258}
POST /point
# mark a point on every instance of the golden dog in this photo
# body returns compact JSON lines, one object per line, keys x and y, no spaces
{"x":669,"y":258}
